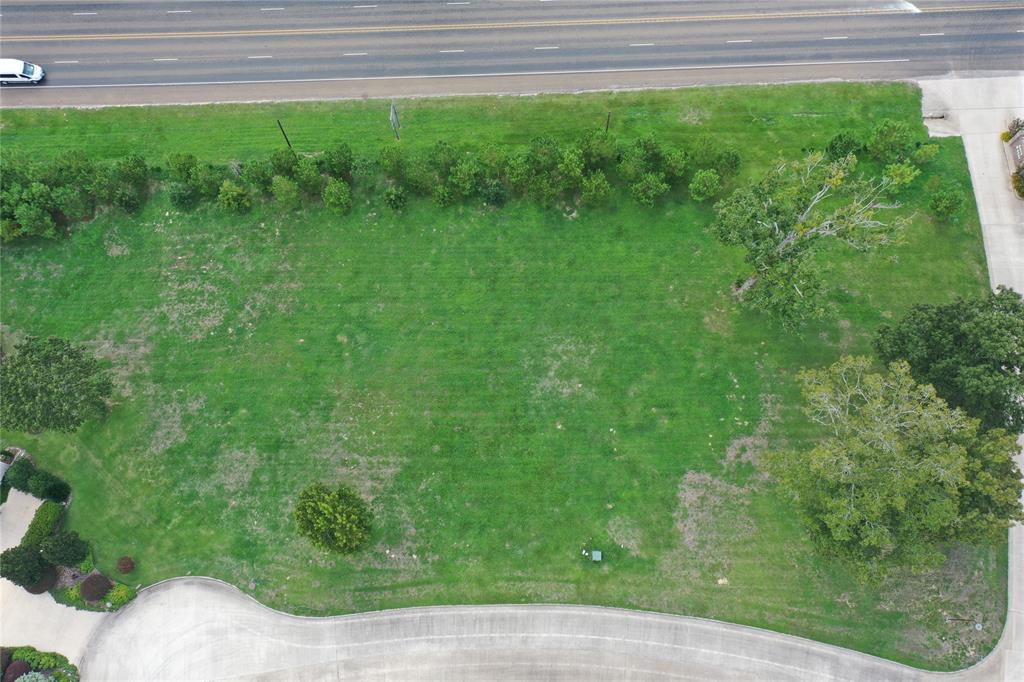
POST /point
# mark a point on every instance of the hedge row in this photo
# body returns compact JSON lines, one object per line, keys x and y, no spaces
{"x":24,"y":476}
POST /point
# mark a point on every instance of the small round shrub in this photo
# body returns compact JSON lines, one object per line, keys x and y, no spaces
{"x":726,"y":161}
{"x":338,"y":161}
{"x":258,"y":173}
{"x":842,"y":145}
{"x":64,"y":548}
{"x":286,"y":193}
{"x":120,"y":595}
{"x":308,"y":177}
{"x":1017,"y":180}
{"x":183,"y":196}
{"x":125,"y":564}
{"x":494,"y":192}
{"x":205,"y":181}
{"x":43,"y":523}
{"x":395,"y":198}
{"x":1016,"y":125}
{"x":442,"y":196}
{"x":180,"y":166}
{"x":233,"y":197}
{"x":648,"y":189}
{"x":46,"y":486}
{"x":23,"y":565}
{"x":337,"y":196}
{"x":705,"y":184}
{"x":284,"y":162}
{"x":15,"y":670}
{"x":891,"y":140}
{"x":335,"y":519}
{"x":596,"y":188}
{"x":20,"y":474}
{"x":947,"y":202}
{"x":95,"y":587}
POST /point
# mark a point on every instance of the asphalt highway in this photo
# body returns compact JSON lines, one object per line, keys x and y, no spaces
{"x":215,"y":50}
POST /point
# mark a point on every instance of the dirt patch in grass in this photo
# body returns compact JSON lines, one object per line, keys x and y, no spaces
{"x":565,"y":366}
{"x":748,"y":449}
{"x":167,"y":418}
{"x":625,"y":534}
{"x":942,"y":608}
{"x":711,"y":517}
{"x":126,"y":353}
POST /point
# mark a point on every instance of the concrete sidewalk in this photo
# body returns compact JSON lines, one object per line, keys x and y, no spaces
{"x":36,"y":619}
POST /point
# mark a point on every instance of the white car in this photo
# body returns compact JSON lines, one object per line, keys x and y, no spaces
{"x":17,"y":71}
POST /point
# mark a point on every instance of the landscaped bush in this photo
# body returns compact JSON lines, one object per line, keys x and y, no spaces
{"x":19,"y":474}
{"x":891,"y":141}
{"x":596,"y":189}
{"x":15,"y":670}
{"x":1017,"y":181}
{"x":494,"y":193}
{"x":53,"y":663}
{"x":1016,"y":125}
{"x":35,"y":676}
{"x":333,"y":519}
{"x":705,"y":184}
{"x":395,"y":198}
{"x":23,"y":565}
{"x":46,"y":486}
{"x":205,"y":181}
{"x":120,"y":595}
{"x":947,"y":202}
{"x":95,"y":587}
{"x":308,"y":177}
{"x":180,"y":166}
{"x":259,"y":173}
{"x":649,"y":188}
{"x":233,"y":197}
{"x":284,"y":162}
{"x":286,"y":193}
{"x":842,"y":145}
{"x":442,"y":196}
{"x":125,"y":564}
{"x":338,"y":162}
{"x":64,"y":548}
{"x":44,"y":522}
{"x":182,"y":195}
{"x":337,"y":196}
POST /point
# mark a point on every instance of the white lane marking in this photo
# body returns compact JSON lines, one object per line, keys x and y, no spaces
{"x":836,"y":38}
{"x":261,"y":56}
{"x":641,"y":44}
{"x":456,"y":3}
{"x":84,"y":14}
{"x":354,"y":54}
{"x":271,"y":9}
{"x":1020,"y":30}
{"x":501,"y":74}
{"x":363,"y":6}
{"x":738,"y":41}
{"x":179,"y":11}
{"x":166,"y":59}
{"x":925,"y":35}
{"x":68,"y":61}
{"x":449,"y":51}
{"x":547,"y":47}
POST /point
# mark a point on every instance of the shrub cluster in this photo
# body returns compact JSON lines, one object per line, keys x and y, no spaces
{"x":120,"y":595}
{"x":24,"y":476}
{"x":56,"y":666}
{"x":335,"y":519}
{"x":43,"y":524}
{"x":42,"y":198}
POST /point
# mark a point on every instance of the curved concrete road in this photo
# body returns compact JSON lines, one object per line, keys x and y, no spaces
{"x":209,"y":630}
{"x":199,"y":628}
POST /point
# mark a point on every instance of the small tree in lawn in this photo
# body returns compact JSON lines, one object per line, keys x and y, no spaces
{"x":334,"y":519}
{"x":23,"y":565}
{"x":899,"y":474}
{"x":705,"y":184}
{"x":64,"y":548}
{"x":792,"y":212}
{"x":286,"y":193}
{"x":648,"y":189}
{"x":337,"y":196}
{"x":947,"y":202}
{"x":51,"y":384}
{"x":233,"y":197}
{"x":891,"y":141}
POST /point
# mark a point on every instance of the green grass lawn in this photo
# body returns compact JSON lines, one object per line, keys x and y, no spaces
{"x":506,"y":385}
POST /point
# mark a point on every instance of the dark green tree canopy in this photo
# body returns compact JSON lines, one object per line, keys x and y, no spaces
{"x":899,"y":473}
{"x":23,"y":565}
{"x":335,"y":519}
{"x":51,"y":384}
{"x":64,"y":548}
{"x":970,"y":350}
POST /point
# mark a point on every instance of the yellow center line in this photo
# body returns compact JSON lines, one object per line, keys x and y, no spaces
{"x":557,"y":23}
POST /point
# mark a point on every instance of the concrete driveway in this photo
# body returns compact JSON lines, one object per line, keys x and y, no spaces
{"x":36,"y":619}
{"x":198,"y":628}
